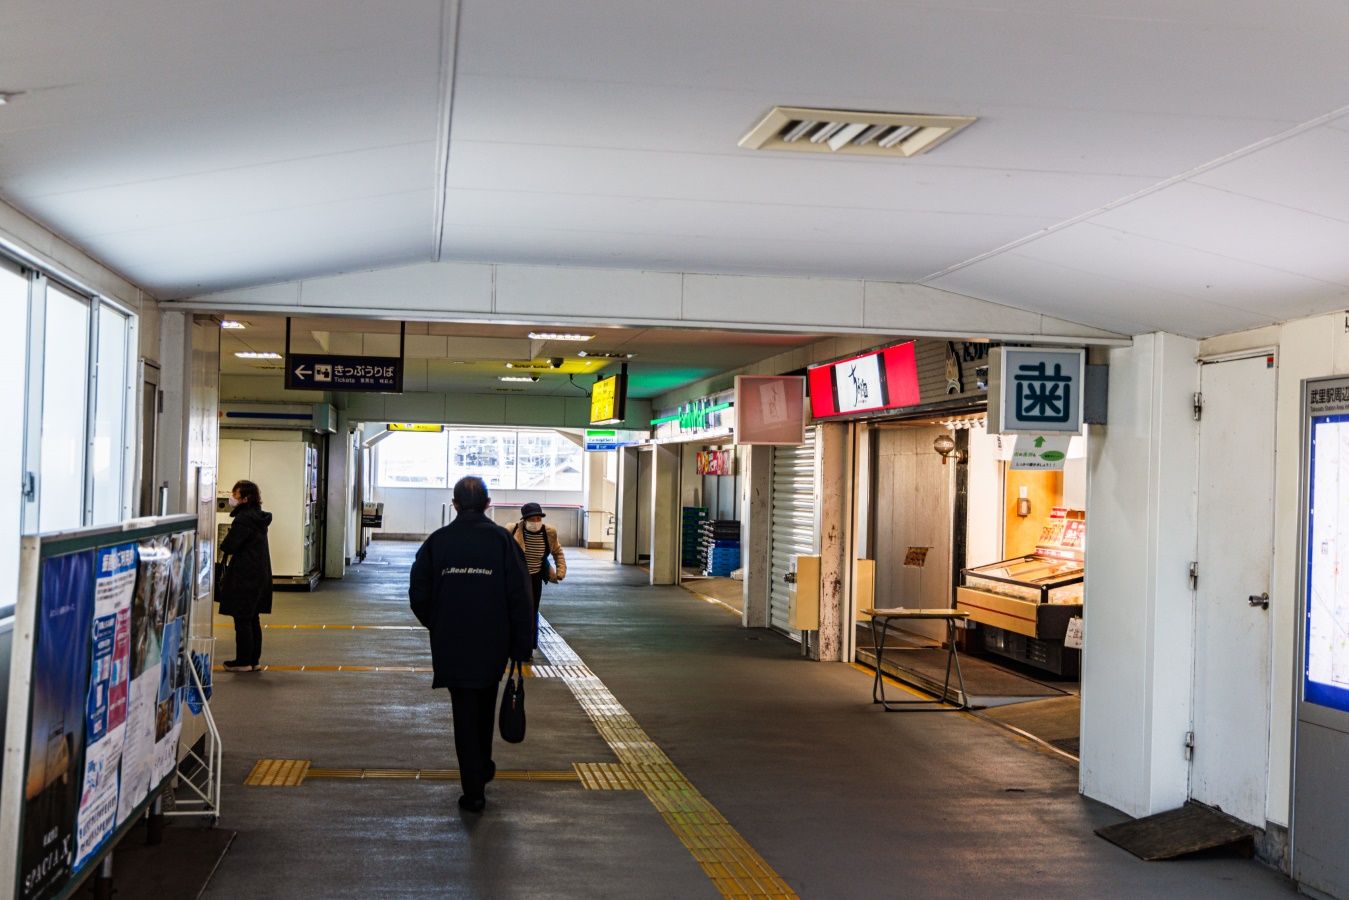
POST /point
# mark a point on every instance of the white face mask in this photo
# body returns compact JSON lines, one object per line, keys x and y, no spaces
{"x":534,"y":526}
{"x":234,"y":501}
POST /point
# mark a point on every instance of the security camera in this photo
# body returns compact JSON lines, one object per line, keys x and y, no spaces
{"x":555,"y":362}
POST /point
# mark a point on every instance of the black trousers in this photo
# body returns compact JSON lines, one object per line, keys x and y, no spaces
{"x":536,"y":582}
{"x":247,"y":639}
{"x":474,"y":722}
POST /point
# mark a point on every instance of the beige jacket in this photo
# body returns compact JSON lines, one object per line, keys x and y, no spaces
{"x":554,"y":550}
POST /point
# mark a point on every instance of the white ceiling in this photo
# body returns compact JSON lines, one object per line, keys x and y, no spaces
{"x":1174,"y":165}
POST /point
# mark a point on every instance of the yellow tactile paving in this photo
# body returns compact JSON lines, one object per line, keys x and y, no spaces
{"x":605,"y":777}
{"x":278,"y":773}
{"x":228,"y":623}
{"x":733,"y":866}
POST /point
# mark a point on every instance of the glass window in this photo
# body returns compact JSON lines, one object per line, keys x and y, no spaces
{"x":548,"y":462}
{"x":65,"y":383}
{"x":14,"y":350}
{"x":108,"y":460}
{"x":489,"y":454}
{"x":411,"y":459}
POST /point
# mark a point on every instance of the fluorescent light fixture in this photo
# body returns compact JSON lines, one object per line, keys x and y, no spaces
{"x":553,"y":336}
{"x":897,"y":135}
{"x":232,"y":325}
{"x":827,"y":130}
{"x":846,"y":134}
{"x":253,"y":354}
{"x":529,"y":378}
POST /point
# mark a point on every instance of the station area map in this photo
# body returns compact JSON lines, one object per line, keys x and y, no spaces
{"x":1328,"y":558}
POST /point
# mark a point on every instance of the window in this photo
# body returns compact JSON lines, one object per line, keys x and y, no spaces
{"x":548,"y":462}
{"x":108,"y":457}
{"x":412,"y":459}
{"x":65,"y":393}
{"x":13,"y":349}
{"x":488,"y":454}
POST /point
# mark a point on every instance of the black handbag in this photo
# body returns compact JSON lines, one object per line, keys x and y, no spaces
{"x":512,"y":718}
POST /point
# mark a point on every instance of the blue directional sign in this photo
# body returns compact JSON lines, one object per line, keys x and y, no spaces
{"x":327,"y":372}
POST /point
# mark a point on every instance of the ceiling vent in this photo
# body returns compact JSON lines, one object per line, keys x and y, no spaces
{"x":851,"y":131}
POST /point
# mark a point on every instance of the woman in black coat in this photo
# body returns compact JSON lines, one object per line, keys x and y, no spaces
{"x":245,"y":588}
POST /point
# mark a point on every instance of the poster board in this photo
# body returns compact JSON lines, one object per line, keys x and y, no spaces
{"x":770,"y":409}
{"x":97,"y":686}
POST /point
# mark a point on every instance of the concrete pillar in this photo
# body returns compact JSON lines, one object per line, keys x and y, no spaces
{"x":835,"y":512}
{"x":756,"y":526}
{"x":665,"y":514}
{"x":1139,"y":609}
{"x":599,"y":499}
{"x":338,"y":502}
{"x":625,"y":539}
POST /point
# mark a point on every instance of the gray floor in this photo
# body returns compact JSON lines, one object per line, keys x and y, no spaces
{"x":840,"y":799}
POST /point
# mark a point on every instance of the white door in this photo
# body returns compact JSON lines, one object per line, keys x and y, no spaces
{"x":1236,"y":540}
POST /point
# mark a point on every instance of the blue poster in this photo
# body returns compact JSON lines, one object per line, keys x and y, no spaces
{"x":58,"y":718}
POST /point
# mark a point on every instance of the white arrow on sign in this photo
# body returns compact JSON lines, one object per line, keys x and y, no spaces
{"x":302,"y":372}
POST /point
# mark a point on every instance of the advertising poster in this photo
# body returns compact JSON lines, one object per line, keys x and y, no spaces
{"x":1326,"y":674}
{"x":109,"y":683}
{"x":52,"y":785}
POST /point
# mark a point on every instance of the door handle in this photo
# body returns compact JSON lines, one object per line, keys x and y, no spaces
{"x":1260,"y":600}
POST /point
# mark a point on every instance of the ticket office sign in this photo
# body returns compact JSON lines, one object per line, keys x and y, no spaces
{"x":358,"y":374}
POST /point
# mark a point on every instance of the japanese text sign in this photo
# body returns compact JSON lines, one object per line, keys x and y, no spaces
{"x":1035,"y":390}
{"x":325,"y":372}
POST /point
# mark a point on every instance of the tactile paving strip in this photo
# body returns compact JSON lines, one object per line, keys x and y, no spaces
{"x":605,"y":777}
{"x":278,"y":773}
{"x":527,"y":668}
{"x":734,"y":866}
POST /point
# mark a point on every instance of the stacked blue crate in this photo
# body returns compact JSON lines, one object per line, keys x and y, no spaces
{"x":719,"y":547}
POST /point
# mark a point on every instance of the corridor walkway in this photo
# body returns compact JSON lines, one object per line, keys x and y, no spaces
{"x":742,"y":769}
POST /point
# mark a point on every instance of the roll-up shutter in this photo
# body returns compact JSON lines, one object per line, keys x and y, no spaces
{"x":794,"y":521}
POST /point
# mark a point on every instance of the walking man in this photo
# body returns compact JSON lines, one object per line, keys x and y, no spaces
{"x":470,"y":589}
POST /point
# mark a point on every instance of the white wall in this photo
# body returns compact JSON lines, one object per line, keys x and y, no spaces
{"x":1139,"y":610}
{"x":985,"y":511}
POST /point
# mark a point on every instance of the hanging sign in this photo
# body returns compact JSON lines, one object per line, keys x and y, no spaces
{"x":357,"y":374}
{"x":1040,"y":452}
{"x":415,"y":427}
{"x":613,"y":438}
{"x":715,"y":462}
{"x":1035,"y":390}
{"x":872,"y":382}
{"x":1073,"y":638}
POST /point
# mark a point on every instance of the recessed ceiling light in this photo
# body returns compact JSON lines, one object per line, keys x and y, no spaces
{"x":554,"y":336}
{"x":253,"y":354}
{"x":517,"y":378}
{"x":851,"y":131}
{"x":6,"y":96}
{"x":232,"y":325}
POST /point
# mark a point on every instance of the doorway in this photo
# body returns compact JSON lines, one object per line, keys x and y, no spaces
{"x":1229,"y":763}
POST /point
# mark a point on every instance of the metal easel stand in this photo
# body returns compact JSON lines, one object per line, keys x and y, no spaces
{"x":203,"y":772}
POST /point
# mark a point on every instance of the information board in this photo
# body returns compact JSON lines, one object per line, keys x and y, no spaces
{"x":608,"y":399}
{"x":1326,"y":671}
{"x":96,"y":693}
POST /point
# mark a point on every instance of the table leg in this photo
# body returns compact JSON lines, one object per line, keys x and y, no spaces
{"x":878,"y":685}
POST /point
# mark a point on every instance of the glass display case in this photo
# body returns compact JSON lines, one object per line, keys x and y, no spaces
{"x":1027,"y":602}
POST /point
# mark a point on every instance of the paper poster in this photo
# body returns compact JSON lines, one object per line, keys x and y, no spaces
{"x":52,"y":785}
{"x":1042,"y":452}
{"x":109,"y":670}
{"x":139,"y":747}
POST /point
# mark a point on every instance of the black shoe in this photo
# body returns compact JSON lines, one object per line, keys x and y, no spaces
{"x":491,"y":771}
{"x":472,"y":804}
{"x":234,"y":665}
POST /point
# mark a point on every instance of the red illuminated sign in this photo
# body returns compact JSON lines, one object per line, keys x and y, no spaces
{"x":884,"y":379}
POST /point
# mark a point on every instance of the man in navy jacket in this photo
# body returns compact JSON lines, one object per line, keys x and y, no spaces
{"x":470,"y":589}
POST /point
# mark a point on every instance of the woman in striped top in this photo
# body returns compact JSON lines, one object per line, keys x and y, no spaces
{"x":539,"y":541}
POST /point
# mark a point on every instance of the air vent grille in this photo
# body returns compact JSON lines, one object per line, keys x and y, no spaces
{"x":850,"y":131}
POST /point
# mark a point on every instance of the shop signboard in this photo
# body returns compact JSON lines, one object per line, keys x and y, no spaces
{"x":770,"y":409}
{"x":598,"y":439}
{"x":1035,"y":390}
{"x":705,"y":418}
{"x":415,"y":427}
{"x":868,"y":383}
{"x":95,"y":701}
{"x":609,"y":399}
{"x":334,"y":372}
{"x":1040,"y":452}
{"x":715,"y":462}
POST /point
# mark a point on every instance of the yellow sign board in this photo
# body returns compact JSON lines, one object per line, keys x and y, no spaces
{"x":413,"y":426}
{"x":606,"y":400}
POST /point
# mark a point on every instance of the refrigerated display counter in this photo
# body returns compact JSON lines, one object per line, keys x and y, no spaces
{"x":1025,"y":603}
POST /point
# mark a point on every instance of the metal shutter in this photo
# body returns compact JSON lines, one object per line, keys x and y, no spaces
{"x":794,"y":521}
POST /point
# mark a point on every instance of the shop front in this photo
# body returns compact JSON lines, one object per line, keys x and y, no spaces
{"x":946,"y":515}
